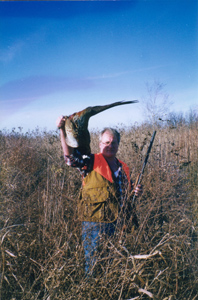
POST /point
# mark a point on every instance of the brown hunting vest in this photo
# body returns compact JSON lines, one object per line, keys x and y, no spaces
{"x":98,"y":201}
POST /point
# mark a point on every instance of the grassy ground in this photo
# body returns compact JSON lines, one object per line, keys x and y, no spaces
{"x":41,"y":251}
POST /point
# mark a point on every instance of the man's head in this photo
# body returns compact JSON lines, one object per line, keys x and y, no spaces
{"x":109,"y":142}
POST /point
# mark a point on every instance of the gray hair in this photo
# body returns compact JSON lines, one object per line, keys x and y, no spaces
{"x":112,"y":131}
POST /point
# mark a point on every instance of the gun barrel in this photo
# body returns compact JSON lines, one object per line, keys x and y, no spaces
{"x":145,"y":162}
{"x":148,"y":152}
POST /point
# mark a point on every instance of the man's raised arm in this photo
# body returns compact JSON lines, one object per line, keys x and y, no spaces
{"x":60,"y":123}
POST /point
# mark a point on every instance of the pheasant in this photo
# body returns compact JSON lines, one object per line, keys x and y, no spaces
{"x":76,"y":126}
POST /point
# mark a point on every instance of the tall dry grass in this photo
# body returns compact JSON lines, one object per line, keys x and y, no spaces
{"x":41,"y":250}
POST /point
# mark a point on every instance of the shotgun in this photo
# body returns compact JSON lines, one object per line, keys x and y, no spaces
{"x":139,"y":177}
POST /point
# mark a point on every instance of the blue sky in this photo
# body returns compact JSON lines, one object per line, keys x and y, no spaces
{"x":58,"y":57}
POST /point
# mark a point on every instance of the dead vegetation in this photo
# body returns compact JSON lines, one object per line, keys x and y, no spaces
{"x":41,"y":250}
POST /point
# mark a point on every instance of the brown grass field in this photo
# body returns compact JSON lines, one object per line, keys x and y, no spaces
{"x":40,"y":235}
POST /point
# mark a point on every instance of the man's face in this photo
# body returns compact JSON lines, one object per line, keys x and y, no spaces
{"x":108,"y":145}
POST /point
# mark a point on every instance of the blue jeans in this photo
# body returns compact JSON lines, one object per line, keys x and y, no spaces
{"x":91,"y":233}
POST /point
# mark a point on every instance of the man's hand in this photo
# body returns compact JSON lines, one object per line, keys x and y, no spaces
{"x":60,"y":122}
{"x":138,"y":190}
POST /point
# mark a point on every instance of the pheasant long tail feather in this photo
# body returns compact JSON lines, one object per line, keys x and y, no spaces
{"x":97,"y":109}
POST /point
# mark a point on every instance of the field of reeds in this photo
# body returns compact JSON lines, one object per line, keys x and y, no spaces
{"x":41,"y":254}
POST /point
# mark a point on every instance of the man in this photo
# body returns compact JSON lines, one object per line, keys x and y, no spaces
{"x":106,"y":184}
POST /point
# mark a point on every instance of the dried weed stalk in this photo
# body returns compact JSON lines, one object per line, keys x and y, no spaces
{"x":41,"y":249}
